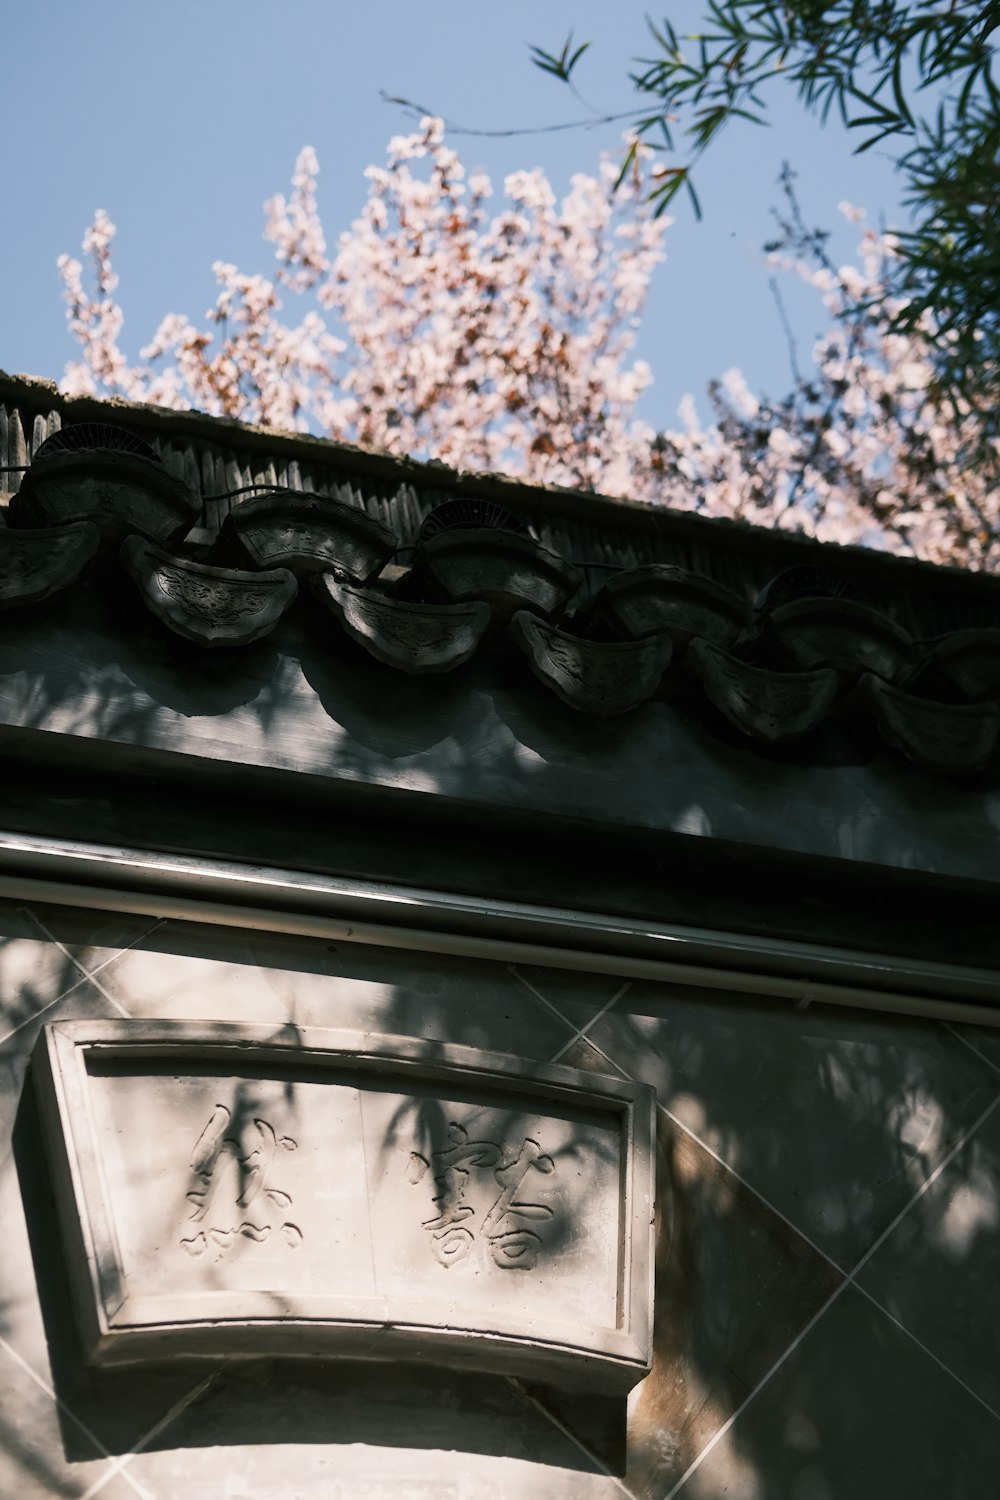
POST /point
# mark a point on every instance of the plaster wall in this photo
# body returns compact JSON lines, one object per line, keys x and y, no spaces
{"x":94,"y":676}
{"x":827,"y":1248}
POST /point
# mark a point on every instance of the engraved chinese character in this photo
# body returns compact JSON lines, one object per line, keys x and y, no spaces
{"x":504,"y":1228}
{"x":220,"y":1161}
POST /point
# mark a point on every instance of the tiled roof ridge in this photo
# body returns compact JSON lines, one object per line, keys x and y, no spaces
{"x":777,"y":661}
{"x":50,"y":408}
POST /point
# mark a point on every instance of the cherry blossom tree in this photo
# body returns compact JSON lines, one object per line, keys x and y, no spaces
{"x":868,"y":447}
{"x":503,"y":341}
{"x":497,"y":342}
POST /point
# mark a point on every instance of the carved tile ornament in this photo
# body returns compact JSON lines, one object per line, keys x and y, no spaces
{"x":603,"y":678}
{"x":968,"y":660}
{"x":950,"y":738}
{"x":119,"y":492}
{"x":483,"y":581}
{"x":415,"y":638}
{"x":211,"y":606}
{"x":226,"y":1192}
{"x":35,"y":564}
{"x":307,"y":534}
{"x":839,"y":633}
{"x":508,"y":571}
{"x":642,"y":601}
{"x":769,"y":706}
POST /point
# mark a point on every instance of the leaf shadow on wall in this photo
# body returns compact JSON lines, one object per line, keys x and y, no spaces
{"x":263,"y":1401}
{"x":833,"y":1120}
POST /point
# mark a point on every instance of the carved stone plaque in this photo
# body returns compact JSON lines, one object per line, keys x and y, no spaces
{"x":225,"y":1190}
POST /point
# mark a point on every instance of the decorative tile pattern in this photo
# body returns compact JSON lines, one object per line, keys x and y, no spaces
{"x":32,"y":1462}
{"x":834,"y":1117}
{"x":983,"y":1039}
{"x":34,"y":972}
{"x":576,"y":995}
{"x":92,"y":939}
{"x":45,"y":951}
{"x":787,"y":601}
{"x":857,"y":1410}
{"x":939,"y":1270}
{"x":734,"y":1285}
{"x":834,"y":1121}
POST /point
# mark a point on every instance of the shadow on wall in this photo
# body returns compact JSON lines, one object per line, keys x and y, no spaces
{"x":250,"y":1402}
{"x":859,"y":1149}
{"x":794,"y":1150}
{"x":96,"y":666}
{"x":444,"y":999}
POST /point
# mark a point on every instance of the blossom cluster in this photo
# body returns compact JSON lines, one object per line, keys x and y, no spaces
{"x":503,"y":340}
{"x":866,"y":448}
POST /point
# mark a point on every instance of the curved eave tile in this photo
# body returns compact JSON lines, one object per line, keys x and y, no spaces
{"x":37,"y":563}
{"x":951,"y":739}
{"x":510,"y":572}
{"x":849,"y":637}
{"x":119,"y":492}
{"x":414,"y":638}
{"x":596,"y":677}
{"x":308,"y":533}
{"x":766,"y":705}
{"x":211,"y":606}
{"x":970,"y":660}
{"x":662,"y":597}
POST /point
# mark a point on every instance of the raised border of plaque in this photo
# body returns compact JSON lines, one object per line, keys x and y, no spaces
{"x":361,"y":1213}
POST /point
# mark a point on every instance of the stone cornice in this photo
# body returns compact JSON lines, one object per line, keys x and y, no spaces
{"x":221,"y":527}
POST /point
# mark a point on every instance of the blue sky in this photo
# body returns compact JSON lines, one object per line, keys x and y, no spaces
{"x":179,"y":119}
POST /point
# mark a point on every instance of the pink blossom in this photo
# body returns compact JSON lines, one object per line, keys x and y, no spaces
{"x":506,"y":342}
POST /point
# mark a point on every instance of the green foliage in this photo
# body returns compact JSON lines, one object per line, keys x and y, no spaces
{"x":563,"y":65}
{"x":874,"y":63}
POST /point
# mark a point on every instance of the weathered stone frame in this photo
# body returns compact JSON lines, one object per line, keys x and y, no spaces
{"x":117,"y":1329}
